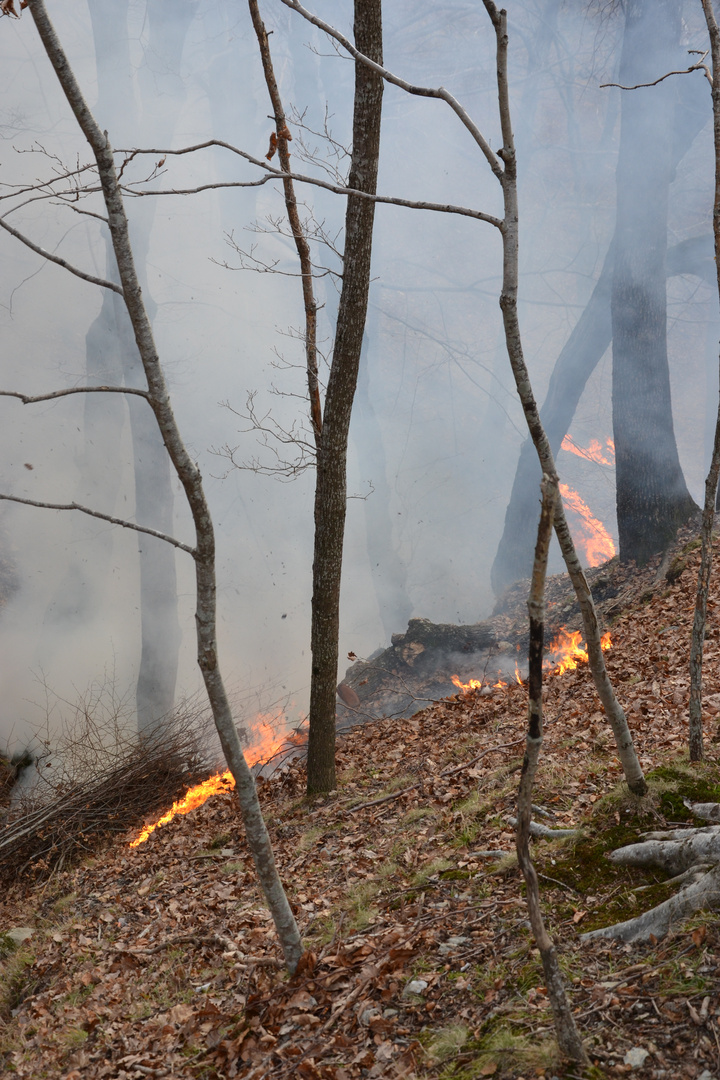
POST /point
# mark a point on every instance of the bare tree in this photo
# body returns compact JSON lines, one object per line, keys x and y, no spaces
{"x":504,"y":169}
{"x":203,"y":552}
{"x":568,"y":1038}
{"x":711,"y":483}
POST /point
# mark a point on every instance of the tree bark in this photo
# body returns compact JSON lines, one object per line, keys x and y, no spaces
{"x":581,"y":354}
{"x":711,"y":483}
{"x":331,"y":478}
{"x":651,"y":494}
{"x":568,"y":1038}
{"x":191,"y":480}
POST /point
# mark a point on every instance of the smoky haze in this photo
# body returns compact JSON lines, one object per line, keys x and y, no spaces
{"x":436,"y":431}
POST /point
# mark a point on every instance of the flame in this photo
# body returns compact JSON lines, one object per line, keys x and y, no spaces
{"x":474,"y":684}
{"x":566,"y":651}
{"x":594,"y":541}
{"x":264,"y":749}
{"x":593,"y":452}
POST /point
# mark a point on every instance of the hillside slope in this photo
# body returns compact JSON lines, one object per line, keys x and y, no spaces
{"x":161,"y":960}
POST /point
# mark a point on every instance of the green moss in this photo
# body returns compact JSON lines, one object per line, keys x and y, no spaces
{"x":220,"y":841}
{"x":501,"y":1047}
{"x":620,"y":819}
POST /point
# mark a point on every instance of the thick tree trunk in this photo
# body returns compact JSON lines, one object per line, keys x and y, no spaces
{"x":652,"y":497}
{"x":583,"y":351}
{"x":331,"y":479}
{"x":577,"y":361}
{"x":190,"y":478}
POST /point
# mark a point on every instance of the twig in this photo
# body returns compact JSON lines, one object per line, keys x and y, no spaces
{"x":700,"y":66}
{"x":30,"y":399}
{"x":278,"y":174}
{"x":103,"y":517}
{"x":60,"y":262}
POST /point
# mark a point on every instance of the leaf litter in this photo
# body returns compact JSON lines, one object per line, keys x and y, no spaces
{"x":162,"y":960}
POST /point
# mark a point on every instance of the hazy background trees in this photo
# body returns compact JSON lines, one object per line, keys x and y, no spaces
{"x":439,"y":431}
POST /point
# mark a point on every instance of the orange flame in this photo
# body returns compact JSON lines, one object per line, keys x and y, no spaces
{"x":268,"y":744}
{"x":594,"y":540}
{"x":566,"y":651}
{"x":593,"y":452}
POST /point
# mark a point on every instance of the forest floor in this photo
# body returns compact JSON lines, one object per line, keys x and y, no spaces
{"x":162,"y":960}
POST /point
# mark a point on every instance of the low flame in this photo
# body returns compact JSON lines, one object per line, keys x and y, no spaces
{"x":594,"y":540}
{"x":593,"y":452}
{"x":264,"y":749}
{"x":565,"y":652}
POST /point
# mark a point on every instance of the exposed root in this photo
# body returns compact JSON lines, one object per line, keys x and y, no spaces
{"x":693,"y":855}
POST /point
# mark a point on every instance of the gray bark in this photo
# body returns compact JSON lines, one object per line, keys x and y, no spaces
{"x":651,"y":494}
{"x":567,"y":1034}
{"x":191,"y":480}
{"x":331,"y":478}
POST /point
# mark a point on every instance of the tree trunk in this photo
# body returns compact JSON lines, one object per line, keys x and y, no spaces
{"x":583,"y":351}
{"x":331,"y":479}
{"x":652,"y":497}
{"x":711,"y":483}
{"x":577,"y":361}
{"x":191,"y":480}
{"x":568,"y":1038}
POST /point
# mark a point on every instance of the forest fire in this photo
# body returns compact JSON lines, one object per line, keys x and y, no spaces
{"x":267,"y":746}
{"x":565,"y":652}
{"x":592,"y":452}
{"x":594,"y":540}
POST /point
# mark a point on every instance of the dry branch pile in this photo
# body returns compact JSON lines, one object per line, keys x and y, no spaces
{"x":100,"y":782}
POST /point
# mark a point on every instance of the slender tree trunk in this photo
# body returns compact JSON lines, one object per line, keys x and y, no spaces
{"x":190,"y":478}
{"x":711,"y":483}
{"x":282,"y":137}
{"x":508,"y":306}
{"x":652,"y":497}
{"x":331,"y":479}
{"x":567,"y":1034}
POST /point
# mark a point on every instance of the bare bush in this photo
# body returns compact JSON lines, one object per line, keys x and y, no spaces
{"x":100,"y":780}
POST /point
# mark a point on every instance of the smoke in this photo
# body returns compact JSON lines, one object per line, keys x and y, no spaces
{"x":437,"y":431}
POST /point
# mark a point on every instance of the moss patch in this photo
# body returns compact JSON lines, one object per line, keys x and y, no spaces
{"x":616,"y":821}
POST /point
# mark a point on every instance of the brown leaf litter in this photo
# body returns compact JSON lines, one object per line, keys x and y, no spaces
{"x":162,"y":960}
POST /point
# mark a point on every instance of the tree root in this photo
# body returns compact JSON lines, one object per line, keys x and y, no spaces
{"x":693,"y":856}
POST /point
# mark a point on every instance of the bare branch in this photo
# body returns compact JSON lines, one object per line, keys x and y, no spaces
{"x":278,"y":174}
{"x":700,"y":66}
{"x":103,"y":517}
{"x":30,"y":399}
{"x":60,"y":262}
{"x":419,"y":91}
